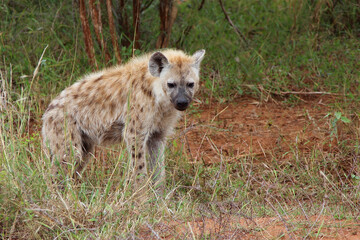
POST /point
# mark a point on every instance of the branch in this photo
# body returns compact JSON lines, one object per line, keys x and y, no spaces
{"x":179,"y":43}
{"x":309,"y":93}
{"x":146,"y":6}
{"x":201,"y":5}
{"x":238,"y":32}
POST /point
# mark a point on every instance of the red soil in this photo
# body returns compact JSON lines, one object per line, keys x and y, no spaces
{"x":270,"y":130}
{"x":232,"y":227}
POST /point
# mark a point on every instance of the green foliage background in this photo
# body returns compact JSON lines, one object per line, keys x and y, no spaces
{"x":292,"y":45}
{"x":302,"y":45}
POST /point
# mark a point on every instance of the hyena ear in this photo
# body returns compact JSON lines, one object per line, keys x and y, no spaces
{"x":157,"y":63}
{"x":198,"y":56}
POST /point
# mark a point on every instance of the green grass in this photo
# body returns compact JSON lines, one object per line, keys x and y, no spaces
{"x":285,"y":51}
{"x":282,"y":55}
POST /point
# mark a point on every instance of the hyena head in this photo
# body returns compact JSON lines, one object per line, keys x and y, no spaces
{"x":179,"y":76}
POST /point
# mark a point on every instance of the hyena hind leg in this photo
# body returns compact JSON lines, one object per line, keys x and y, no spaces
{"x":87,"y":149}
{"x":67,"y":144}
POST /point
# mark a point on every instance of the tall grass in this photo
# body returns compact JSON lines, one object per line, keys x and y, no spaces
{"x":292,"y":46}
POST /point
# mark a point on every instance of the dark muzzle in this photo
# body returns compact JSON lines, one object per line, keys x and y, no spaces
{"x":181,"y":103}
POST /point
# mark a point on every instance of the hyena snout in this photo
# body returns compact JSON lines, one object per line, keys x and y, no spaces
{"x":182,"y":100}
{"x":182,"y":103}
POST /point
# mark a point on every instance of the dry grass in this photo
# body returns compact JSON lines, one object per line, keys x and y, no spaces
{"x":240,"y":196}
{"x":237,"y":195}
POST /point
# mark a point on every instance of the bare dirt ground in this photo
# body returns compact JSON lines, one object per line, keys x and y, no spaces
{"x":270,"y":130}
{"x":230,"y":227}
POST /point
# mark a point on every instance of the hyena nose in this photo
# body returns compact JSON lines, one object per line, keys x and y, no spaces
{"x":181,"y":104}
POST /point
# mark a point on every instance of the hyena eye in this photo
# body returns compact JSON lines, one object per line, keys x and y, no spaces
{"x":171,"y":85}
{"x":190,"y":85}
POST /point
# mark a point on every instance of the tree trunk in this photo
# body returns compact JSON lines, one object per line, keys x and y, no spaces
{"x":124,"y":23}
{"x":113,"y":31}
{"x":96,"y":19}
{"x":89,"y":46}
{"x":167,"y":12}
{"x":136,"y":23}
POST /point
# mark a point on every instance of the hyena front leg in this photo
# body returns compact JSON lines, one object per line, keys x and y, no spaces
{"x":135,"y":143}
{"x":156,"y":147}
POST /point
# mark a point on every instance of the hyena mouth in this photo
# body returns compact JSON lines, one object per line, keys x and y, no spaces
{"x":181,"y":108}
{"x":181,"y":101}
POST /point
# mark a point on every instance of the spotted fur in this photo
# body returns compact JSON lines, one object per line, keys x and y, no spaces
{"x":138,"y":102}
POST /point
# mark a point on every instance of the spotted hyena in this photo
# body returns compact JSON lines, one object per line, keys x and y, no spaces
{"x":138,"y":102}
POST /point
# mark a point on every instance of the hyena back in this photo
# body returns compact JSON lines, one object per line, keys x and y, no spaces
{"x":138,"y":102}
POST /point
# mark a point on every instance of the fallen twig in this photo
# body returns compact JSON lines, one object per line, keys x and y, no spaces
{"x":317,"y":219}
{"x":192,"y":232}
{"x":153,"y":231}
{"x":291,"y":235}
{"x":309,"y":93}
